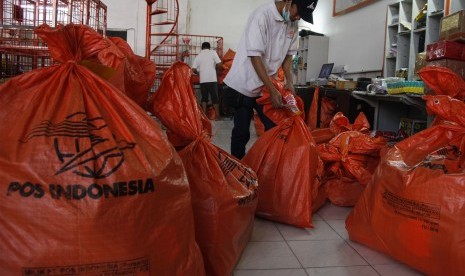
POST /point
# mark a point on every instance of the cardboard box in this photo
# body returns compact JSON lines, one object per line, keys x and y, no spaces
{"x":346,"y":85}
{"x":457,"y":66}
{"x":453,"y":27}
{"x":445,"y":49}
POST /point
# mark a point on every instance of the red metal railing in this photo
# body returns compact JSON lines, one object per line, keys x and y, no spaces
{"x":21,"y":50}
{"x":164,"y":45}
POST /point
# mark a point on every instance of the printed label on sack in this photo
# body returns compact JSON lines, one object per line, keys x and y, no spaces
{"x":81,"y":191}
{"x":98,"y":160}
{"x":242,"y":173}
{"x":428,"y":214}
{"x":446,"y":159}
{"x":126,"y":268}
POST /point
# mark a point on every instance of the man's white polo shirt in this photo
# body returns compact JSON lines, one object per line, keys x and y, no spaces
{"x":205,"y":63}
{"x":266,"y":35}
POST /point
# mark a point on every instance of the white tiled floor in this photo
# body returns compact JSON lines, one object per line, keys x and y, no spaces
{"x":276,"y":249}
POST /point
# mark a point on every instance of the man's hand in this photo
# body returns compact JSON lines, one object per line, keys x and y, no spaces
{"x":290,"y":87}
{"x":275,"y":96}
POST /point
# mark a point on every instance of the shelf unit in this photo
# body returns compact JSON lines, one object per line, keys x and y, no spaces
{"x":405,"y":37}
{"x":312,"y":54}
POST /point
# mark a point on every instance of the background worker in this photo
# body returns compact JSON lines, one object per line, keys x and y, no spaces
{"x":268,"y":42}
{"x":205,"y":65}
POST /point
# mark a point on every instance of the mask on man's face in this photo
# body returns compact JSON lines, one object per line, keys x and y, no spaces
{"x":286,"y":14}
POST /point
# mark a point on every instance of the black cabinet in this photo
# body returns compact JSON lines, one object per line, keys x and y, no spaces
{"x":390,"y":109}
{"x":345,"y":103}
{"x":384,"y":112}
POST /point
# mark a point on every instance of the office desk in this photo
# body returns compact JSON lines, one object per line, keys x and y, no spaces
{"x":383,"y":112}
{"x":390,"y":109}
{"x":345,"y":103}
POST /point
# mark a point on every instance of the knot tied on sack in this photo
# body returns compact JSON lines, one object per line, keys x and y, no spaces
{"x":204,"y":136}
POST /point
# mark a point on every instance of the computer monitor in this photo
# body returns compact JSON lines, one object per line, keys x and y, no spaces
{"x":326,"y":70}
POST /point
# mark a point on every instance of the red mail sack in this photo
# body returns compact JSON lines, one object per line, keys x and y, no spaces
{"x":443,"y":81}
{"x":350,"y":159}
{"x":286,"y":162}
{"x":134,"y":75}
{"x":224,"y":190}
{"x":278,"y":114}
{"x":414,"y":209}
{"x":89,"y":185}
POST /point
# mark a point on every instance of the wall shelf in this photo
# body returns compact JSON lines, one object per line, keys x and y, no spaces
{"x":416,"y":38}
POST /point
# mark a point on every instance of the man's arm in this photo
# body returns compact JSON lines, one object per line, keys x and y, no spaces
{"x":257,"y":63}
{"x":219,"y":67}
{"x":194,"y":66}
{"x":287,"y":65}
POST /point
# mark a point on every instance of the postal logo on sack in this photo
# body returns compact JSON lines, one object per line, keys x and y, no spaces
{"x":99,"y":159}
{"x":243,"y":174}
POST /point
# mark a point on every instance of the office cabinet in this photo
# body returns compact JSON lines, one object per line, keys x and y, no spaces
{"x":312,"y":54}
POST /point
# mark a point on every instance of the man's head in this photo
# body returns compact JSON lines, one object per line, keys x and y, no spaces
{"x":303,"y":9}
{"x":205,"y":45}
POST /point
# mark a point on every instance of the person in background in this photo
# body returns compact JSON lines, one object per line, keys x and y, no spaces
{"x":205,"y":65}
{"x":268,"y":42}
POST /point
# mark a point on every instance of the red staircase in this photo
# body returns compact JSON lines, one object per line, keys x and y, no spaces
{"x":164,"y":45}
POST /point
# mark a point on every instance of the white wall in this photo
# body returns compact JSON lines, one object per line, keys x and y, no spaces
{"x":224,"y":18}
{"x":128,"y":15}
{"x":356,"y":38}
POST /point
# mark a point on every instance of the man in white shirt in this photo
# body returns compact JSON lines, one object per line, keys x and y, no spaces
{"x":268,"y":42}
{"x":205,"y":64}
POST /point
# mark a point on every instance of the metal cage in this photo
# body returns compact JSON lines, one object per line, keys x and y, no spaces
{"x":164,"y":45}
{"x":21,"y":50}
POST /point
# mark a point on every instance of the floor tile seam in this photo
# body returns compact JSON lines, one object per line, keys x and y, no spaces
{"x":295,"y":255}
{"x":270,"y":269}
{"x":308,"y":273}
{"x":328,"y":239}
{"x":334,"y":228}
{"x":333,"y":266}
{"x":266,"y":241}
{"x":379,"y":273}
{"x":313,"y":239}
{"x":346,"y":241}
{"x":376,"y":271}
{"x":290,"y":248}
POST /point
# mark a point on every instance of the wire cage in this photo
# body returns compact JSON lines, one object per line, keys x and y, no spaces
{"x":164,"y":45}
{"x":187,"y":48}
{"x":21,"y":50}
{"x":191,"y":45}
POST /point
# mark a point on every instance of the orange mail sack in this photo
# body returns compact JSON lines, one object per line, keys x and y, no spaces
{"x":89,"y":184}
{"x":350,"y":159}
{"x":286,"y":162}
{"x":134,"y":75}
{"x":224,"y":190}
{"x":414,"y":210}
